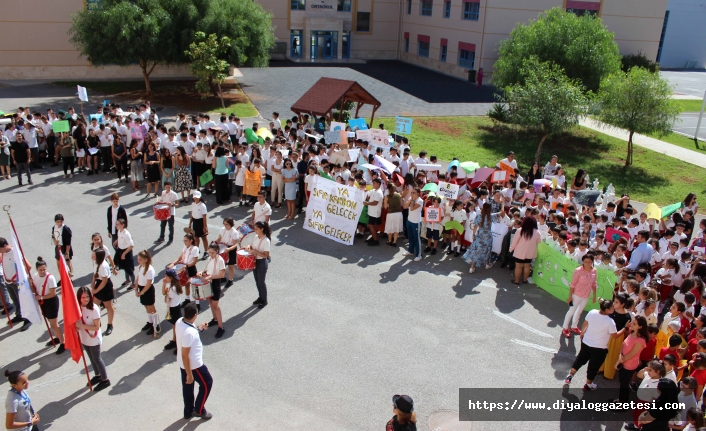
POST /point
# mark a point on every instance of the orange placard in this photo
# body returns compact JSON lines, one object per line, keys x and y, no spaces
{"x":252,"y":182}
{"x":432,"y":214}
{"x":507,"y":168}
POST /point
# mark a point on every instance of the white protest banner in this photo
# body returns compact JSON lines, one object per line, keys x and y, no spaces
{"x":432,"y":215}
{"x":428,"y":167}
{"x":364,"y":135}
{"x":333,"y":210}
{"x":385,"y":149}
{"x":384,"y":164}
{"x":82,"y":93}
{"x":337,"y":126}
{"x":350,"y":134}
{"x":447,"y":190}
{"x":380,"y":137}
{"x":353,"y":154}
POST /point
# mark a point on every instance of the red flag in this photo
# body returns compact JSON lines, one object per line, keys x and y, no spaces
{"x":72,"y":313}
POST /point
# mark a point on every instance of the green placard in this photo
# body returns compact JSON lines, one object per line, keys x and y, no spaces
{"x":60,"y":126}
{"x":206,"y":177}
{"x":553,"y":272}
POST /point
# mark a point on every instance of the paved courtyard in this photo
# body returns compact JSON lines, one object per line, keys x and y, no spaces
{"x":402,"y":89}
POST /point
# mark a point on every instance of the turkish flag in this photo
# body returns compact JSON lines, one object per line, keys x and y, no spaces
{"x":72,"y":312}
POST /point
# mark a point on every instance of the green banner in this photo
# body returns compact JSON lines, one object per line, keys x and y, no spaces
{"x":60,"y":126}
{"x":671,"y":209}
{"x":553,"y":272}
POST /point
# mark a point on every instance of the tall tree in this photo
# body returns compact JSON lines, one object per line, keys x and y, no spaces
{"x":206,"y":64}
{"x":582,"y":46}
{"x":248,"y":26}
{"x":639,"y":102}
{"x":546,"y":101}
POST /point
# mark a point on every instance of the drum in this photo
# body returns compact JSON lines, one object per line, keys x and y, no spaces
{"x":182,"y":273}
{"x":244,"y":229}
{"x":200,"y":290}
{"x":162,"y":212}
{"x":246,"y":261}
{"x":223,"y":252}
{"x":248,"y":239}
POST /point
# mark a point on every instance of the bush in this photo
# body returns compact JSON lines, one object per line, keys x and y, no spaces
{"x":638,"y":60}
{"x":499,"y":113}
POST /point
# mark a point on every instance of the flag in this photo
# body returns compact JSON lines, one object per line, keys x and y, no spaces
{"x":325,"y":175}
{"x":28,"y":302}
{"x":82,"y":94}
{"x":72,"y":313}
{"x":671,"y":209}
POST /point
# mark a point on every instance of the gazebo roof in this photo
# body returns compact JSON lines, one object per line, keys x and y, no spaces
{"x":321,"y":98}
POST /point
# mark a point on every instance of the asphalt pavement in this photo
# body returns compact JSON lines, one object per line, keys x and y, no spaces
{"x":346,"y":328}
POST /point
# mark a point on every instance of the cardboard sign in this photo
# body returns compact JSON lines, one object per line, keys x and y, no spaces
{"x":333,"y":210}
{"x":403,"y":125}
{"x":60,"y":126}
{"x":337,"y":126}
{"x":507,"y":168}
{"x":337,"y":159}
{"x":380,"y":137}
{"x":82,"y":93}
{"x":333,"y":137}
{"x":353,"y":154}
{"x":498,"y":176}
{"x":364,"y":135}
{"x":358,"y":123}
{"x":447,"y":190}
{"x":432,"y":215}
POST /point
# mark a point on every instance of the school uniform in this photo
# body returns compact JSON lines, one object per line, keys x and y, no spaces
{"x":127,"y":264}
{"x":198,"y":210}
{"x":115,"y":214}
{"x":106,"y":293}
{"x":145,"y":275}
{"x":63,"y":235}
{"x":188,"y":336}
{"x":214,"y":266}
{"x":44,"y":286}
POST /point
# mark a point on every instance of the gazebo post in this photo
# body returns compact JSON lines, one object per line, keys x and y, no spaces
{"x":357,"y":109}
{"x":372,"y":117}
{"x":340,"y":111}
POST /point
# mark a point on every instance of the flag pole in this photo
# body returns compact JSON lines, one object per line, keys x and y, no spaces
{"x":85,"y":367}
{"x":2,"y":297}
{"x":29,"y":277}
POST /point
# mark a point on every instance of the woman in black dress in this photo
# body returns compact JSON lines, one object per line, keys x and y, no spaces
{"x":80,"y":136}
{"x":103,"y":287}
{"x":120,"y":158}
{"x":534,"y":173}
{"x":153,"y":170}
{"x":93,"y":145}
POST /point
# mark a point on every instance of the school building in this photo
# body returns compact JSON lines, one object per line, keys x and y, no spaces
{"x":450,"y":36}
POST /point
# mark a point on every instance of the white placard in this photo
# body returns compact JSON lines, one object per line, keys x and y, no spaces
{"x":379,"y":137}
{"x":447,"y":190}
{"x":333,"y":210}
{"x":364,"y":135}
{"x":337,"y":126}
{"x":428,"y":167}
{"x":353,"y":154}
{"x":385,"y":149}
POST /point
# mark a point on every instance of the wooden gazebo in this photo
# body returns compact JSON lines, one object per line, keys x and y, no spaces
{"x":323,"y":96}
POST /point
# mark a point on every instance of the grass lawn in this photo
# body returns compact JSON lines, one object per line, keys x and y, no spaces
{"x":682,"y":141}
{"x":651,"y":178}
{"x":688,"y":105}
{"x":179,"y":93}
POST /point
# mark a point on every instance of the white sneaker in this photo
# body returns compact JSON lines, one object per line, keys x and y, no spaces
{"x":488,"y":266}
{"x":471,"y":270}
{"x":406,"y":253}
{"x":529,"y":280}
{"x":64,"y":175}
{"x":417,"y":259}
{"x":71,"y":175}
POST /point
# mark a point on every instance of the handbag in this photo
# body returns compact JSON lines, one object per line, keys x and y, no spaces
{"x":67,"y":151}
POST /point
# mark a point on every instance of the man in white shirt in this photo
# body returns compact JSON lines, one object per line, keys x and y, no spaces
{"x":422,"y":159}
{"x":262,"y":210}
{"x":186,"y":143}
{"x":171,"y":143}
{"x":170,"y":198}
{"x":275,"y":119}
{"x":8,"y":283}
{"x":190,"y":361}
{"x":374,"y":203}
{"x":509,"y":160}
{"x":207,"y":123}
{"x":29,"y":133}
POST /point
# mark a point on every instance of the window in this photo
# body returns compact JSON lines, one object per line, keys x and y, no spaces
{"x":423,"y":49}
{"x":443,"y":54}
{"x":466,"y":58}
{"x":447,"y":9}
{"x":471,"y":10}
{"x":92,"y":4}
{"x":582,"y":12}
{"x":298,"y":4}
{"x":295,"y":43}
{"x":362,"y":22}
{"x":426,"y":7}
{"x":346,"y":45}
{"x":409,"y":7}
{"x":661,"y":38}
{"x":406,"y":44}
{"x":344,"y":5}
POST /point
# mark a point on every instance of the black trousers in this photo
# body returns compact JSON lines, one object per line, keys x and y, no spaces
{"x":222,"y":194}
{"x":591,"y":355}
{"x":625,"y":376}
{"x":68,"y":164}
{"x":260,"y":273}
{"x":107,"y":158}
{"x":51,"y":144}
{"x":301,"y":196}
{"x":163,"y":225}
{"x":35,"y":157}
{"x":121,"y":167}
{"x":205,"y":381}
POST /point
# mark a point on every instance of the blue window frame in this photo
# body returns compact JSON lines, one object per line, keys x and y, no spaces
{"x":406,"y":45}
{"x":443,"y":54}
{"x":409,"y":7}
{"x":447,"y":9}
{"x":471,"y":11}
{"x":298,"y":4}
{"x":466,"y":58}
{"x":661,"y":38}
{"x":423,"y":49}
{"x":344,"y":5}
{"x":426,"y":7}
{"x":295,"y":43}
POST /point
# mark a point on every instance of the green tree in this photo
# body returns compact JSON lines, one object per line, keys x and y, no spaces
{"x":546,"y":101}
{"x":638,"y":101}
{"x":248,"y":26}
{"x":582,"y":46}
{"x":206,"y":64}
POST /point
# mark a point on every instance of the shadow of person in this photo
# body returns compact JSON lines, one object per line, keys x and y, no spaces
{"x":131,"y":381}
{"x":509,"y":299}
{"x":57,"y":409}
{"x":186,"y":424}
{"x":124,"y":346}
{"x":465,"y":287}
{"x":563,"y":359}
{"x":231,"y":325}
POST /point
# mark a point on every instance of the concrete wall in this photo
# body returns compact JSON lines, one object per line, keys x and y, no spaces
{"x":684,"y":39}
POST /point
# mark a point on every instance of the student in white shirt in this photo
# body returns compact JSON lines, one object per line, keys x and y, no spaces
{"x":172,"y":291}
{"x":146,"y":292}
{"x":190,"y":361}
{"x":45,"y":285}
{"x":89,"y":331}
{"x":123,"y":253}
{"x":261,"y":249}
{"x":229,"y":236}
{"x":170,"y":198}
{"x":103,"y":286}
{"x":262,"y":210}
{"x":214,"y":272}
{"x":199,"y":220}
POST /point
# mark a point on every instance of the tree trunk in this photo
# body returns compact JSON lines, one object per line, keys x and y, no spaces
{"x":539,"y":149}
{"x":220,"y":93}
{"x":146,"y":76}
{"x":628,"y":159}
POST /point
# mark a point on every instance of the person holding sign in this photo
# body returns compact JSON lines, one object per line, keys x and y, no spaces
{"x":374,"y":203}
{"x":433,"y":217}
{"x":478,"y":253}
{"x":414,"y":219}
{"x":393,"y":223}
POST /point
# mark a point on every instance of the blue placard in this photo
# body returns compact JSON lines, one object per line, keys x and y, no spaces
{"x":359,"y":123}
{"x":403,"y":125}
{"x":106,"y":103}
{"x":98,"y":117}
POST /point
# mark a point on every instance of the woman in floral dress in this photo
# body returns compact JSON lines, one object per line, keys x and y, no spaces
{"x":182,"y":175}
{"x":478,"y":253}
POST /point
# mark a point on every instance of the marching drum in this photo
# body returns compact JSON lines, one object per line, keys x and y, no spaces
{"x":248,"y":239}
{"x":244,"y":229}
{"x":162,"y":212}
{"x":245,"y":261}
{"x":223,"y":252}
{"x":182,"y":273}
{"x":200,"y":289}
